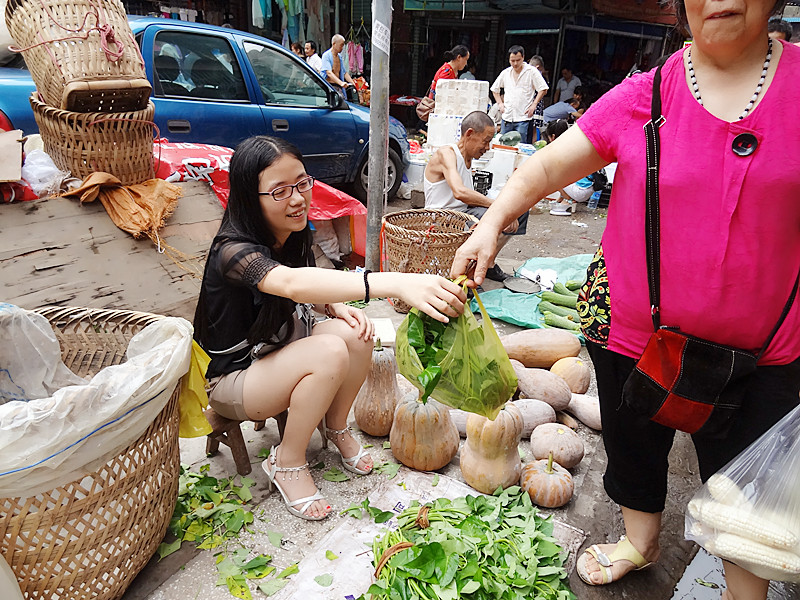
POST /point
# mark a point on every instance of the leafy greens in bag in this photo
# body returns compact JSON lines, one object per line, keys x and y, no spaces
{"x":461,"y":363}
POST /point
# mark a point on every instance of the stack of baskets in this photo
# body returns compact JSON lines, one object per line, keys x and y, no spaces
{"x":92,"y":102}
{"x":91,"y":537}
{"x":423,"y":240}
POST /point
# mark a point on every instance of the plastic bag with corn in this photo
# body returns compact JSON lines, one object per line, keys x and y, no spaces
{"x":749,"y":512}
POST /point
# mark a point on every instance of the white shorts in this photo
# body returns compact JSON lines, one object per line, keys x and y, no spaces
{"x":577,"y":193}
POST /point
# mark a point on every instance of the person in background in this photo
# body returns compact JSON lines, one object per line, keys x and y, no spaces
{"x":333,"y":68}
{"x":312,"y":58}
{"x":780,"y":30}
{"x":562,"y":201}
{"x":297,"y":48}
{"x":734,"y":165}
{"x":455,"y":61}
{"x":537,"y":121}
{"x":469,"y":73}
{"x":524,"y":88}
{"x":571,"y":109}
{"x":255,"y":319}
{"x":448,"y":179}
{"x":565,"y":87}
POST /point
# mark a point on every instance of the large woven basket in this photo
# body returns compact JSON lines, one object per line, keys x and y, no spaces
{"x":81,"y":53}
{"x":83,"y":143}
{"x":423,"y":240}
{"x":89,"y":538}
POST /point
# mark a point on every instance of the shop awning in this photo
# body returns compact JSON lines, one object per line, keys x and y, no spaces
{"x":649,"y":11}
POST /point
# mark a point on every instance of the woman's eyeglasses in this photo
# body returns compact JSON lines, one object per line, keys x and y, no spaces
{"x":284,"y":192}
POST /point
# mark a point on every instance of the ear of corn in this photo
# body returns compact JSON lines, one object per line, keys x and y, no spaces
{"x":744,"y":522}
{"x":724,"y":490}
{"x":746,"y":552}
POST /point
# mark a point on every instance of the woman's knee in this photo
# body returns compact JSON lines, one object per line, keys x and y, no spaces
{"x":329,"y":352}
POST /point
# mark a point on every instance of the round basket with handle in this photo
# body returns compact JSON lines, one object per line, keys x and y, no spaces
{"x":81,"y":53}
{"x":83,"y":143}
{"x":423,"y":240}
{"x":91,"y":537}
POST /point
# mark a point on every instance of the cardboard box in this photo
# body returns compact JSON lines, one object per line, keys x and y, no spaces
{"x":11,"y":155}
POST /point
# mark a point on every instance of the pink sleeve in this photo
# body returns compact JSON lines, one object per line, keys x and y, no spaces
{"x":607,"y":118}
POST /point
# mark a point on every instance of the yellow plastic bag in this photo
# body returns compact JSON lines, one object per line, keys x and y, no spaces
{"x":462,"y":363}
{"x":194,"y":399}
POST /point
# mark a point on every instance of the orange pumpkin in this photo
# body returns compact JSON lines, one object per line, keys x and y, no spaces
{"x":423,"y":437}
{"x":557,"y":440}
{"x":548,"y":483}
{"x":376,"y":400}
{"x":490,"y":456}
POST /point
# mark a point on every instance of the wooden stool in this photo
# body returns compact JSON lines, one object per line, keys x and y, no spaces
{"x":228,"y":432}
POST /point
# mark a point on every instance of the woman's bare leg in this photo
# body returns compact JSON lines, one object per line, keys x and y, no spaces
{"x":305,"y":375}
{"x":642,"y":529}
{"x":360,"y":354}
{"x":742,"y":584}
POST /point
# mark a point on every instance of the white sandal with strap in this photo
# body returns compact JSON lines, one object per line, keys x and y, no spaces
{"x":271,"y":468}
{"x":351,"y":462}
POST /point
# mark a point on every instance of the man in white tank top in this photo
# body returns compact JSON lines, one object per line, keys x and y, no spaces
{"x":448,"y":179}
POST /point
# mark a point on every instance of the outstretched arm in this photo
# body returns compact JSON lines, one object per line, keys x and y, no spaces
{"x":563,"y":162}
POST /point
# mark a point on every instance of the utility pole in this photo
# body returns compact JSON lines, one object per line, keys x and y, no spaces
{"x":378,"y":128}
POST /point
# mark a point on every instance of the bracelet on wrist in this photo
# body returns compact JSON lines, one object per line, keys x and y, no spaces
{"x":366,"y":286}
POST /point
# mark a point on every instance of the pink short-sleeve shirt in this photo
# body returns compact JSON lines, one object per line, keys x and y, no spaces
{"x":730,"y":224}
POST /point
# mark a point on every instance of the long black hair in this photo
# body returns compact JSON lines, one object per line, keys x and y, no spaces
{"x":460,"y":50}
{"x":244,"y":220}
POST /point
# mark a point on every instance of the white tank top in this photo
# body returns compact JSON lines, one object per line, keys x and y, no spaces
{"x":439,"y":194}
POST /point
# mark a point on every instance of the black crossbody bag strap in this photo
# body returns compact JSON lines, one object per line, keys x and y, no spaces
{"x":652,"y":223}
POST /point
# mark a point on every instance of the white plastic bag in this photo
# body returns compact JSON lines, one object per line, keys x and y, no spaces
{"x":749,"y":512}
{"x":42,"y":174}
{"x":52,"y":440}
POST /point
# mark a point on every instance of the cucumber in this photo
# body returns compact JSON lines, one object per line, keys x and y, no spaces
{"x":560,"y":322}
{"x":560,"y":288}
{"x":561,"y":299}
{"x":574,"y":284}
{"x":561,"y":311}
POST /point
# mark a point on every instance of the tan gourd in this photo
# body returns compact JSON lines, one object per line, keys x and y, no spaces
{"x":534,"y":413}
{"x":540,"y":348}
{"x":490,"y":457}
{"x":547,"y":483}
{"x":586,"y":409}
{"x":559,"y":440}
{"x":376,"y":400}
{"x":423,"y":437}
{"x":575,"y":372}
{"x":541,"y":384}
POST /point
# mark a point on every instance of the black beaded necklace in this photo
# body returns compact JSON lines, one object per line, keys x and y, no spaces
{"x":760,"y":85}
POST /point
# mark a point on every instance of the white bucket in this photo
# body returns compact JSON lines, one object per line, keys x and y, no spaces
{"x":415,"y":172}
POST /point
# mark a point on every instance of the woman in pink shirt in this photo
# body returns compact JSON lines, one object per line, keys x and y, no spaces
{"x":730,"y":249}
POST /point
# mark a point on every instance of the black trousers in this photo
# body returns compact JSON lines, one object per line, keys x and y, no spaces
{"x":637,"y":448}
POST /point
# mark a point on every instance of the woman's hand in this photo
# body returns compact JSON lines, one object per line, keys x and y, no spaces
{"x":478,"y":251}
{"x":436,"y":296}
{"x":355,"y":317}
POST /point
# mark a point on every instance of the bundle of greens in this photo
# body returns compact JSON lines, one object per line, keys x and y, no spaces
{"x":461,"y":363}
{"x":472,"y":548}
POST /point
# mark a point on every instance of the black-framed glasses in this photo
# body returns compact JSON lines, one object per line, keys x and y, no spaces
{"x":279,"y":194}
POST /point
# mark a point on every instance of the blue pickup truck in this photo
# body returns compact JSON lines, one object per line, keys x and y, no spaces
{"x":219,"y":86}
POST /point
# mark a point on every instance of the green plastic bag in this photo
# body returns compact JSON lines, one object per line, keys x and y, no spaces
{"x":461,"y":364}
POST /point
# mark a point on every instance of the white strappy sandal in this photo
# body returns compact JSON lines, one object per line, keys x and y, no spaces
{"x":351,"y":462}
{"x":271,"y":468}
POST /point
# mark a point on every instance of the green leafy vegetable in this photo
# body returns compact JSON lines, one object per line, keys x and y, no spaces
{"x":324,"y":580}
{"x":330,"y":555}
{"x":334,"y":474}
{"x":473,"y":548}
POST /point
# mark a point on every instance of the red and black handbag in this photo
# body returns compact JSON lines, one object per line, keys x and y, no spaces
{"x":681,"y":381}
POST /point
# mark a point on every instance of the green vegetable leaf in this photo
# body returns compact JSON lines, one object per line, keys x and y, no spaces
{"x":435,"y":481}
{"x":389,"y":469}
{"x":334,"y":474}
{"x":330,"y":555}
{"x":272,"y":586}
{"x":290,"y":570}
{"x":275,"y":538}
{"x":165,"y":549}
{"x":387,"y":445}
{"x":324,"y":580}
{"x":237,"y":586}
{"x":263,"y":453}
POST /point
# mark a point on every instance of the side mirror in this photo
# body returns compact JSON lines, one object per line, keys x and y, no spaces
{"x":334,"y":99}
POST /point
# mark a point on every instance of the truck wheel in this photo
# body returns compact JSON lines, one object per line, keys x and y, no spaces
{"x":394,"y":165}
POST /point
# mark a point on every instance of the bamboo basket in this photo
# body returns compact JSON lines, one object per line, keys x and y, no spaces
{"x":81,"y":54}
{"x":84,"y":143}
{"x":91,"y":537}
{"x":423,"y":240}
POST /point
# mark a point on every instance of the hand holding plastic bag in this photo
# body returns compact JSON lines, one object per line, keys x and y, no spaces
{"x":462,"y":363}
{"x":749,"y":512}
